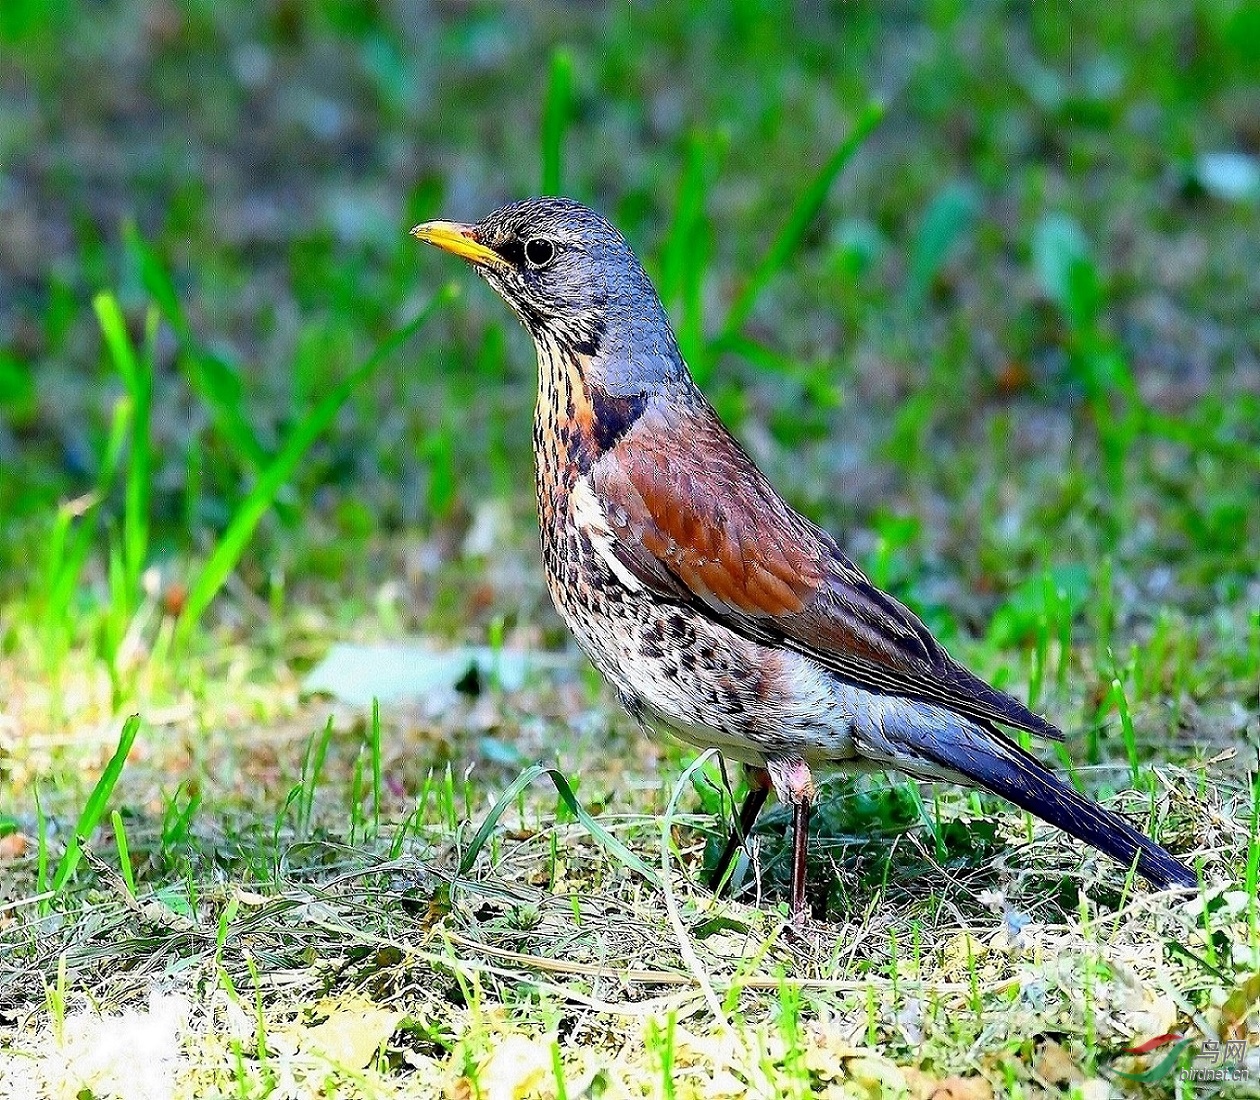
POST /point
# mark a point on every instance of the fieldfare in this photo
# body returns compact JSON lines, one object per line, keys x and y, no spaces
{"x":718,"y":613}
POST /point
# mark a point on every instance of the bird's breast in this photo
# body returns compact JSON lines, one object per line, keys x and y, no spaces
{"x":675,"y":668}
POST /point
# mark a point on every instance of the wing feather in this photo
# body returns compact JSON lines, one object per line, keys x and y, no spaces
{"x":707,"y":529}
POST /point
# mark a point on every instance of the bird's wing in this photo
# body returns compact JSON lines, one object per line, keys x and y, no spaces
{"x":693,"y":518}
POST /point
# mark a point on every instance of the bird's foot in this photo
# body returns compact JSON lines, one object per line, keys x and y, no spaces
{"x":802,"y":931}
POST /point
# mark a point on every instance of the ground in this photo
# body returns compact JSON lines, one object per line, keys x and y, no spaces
{"x":975,"y":284}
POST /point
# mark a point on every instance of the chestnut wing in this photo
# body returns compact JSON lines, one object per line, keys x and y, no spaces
{"x":695,"y":520}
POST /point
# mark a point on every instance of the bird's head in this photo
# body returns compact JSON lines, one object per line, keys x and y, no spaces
{"x":575,"y":284}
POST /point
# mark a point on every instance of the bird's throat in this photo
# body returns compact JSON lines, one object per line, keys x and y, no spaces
{"x":576,"y":422}
{"x":564,"y":428}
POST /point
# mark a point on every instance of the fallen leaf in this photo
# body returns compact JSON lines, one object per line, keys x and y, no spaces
{"x":13,"y":846}
{"x":963,"y":1088}
{"x":919,"y":1085}
{"x":827,"y":1054}
{"x":876,"y":1076}
{"x":1238,"y":1006}
{"x":516,"y":1065}
{"x":357,"y":674}
{"x":1057,"y":1066}
{"x":1229,"y":175}
{"x":355,"y":1029}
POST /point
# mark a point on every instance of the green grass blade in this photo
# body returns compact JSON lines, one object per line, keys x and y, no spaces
{"x":177,"y":821}
{"x":1199,"y":438}
{"x":136,"y":516}
{"x":928,"y":819}
{"x":94,"y":809}
{"x":374,"y":735}
{"x":69,"y":546}
{"x":115,"y":446}
{"x":685,"y":255}
{"x":557,"y":1069}
{"x":598,"y":833}
{"x":677,"y":255}
{"x":1251,"y":870}
{"x":803,"y":213}
{"x":1120,"y":699}
{"x":114,"y":329}
{"x":137,"y":375}
{"x":41,"y":858}
{"x":496,"y":811}
{"x":758,"y":354}
{"x":312,"y":772}
{"x":556,"y":115}
{"x":124,"y":852}
{"x":225,"y":556}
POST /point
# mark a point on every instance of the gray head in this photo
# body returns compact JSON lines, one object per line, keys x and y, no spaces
{"x":576,"y":286}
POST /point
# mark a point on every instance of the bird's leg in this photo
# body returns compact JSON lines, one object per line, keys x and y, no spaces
{"x":800,"y":846}
{"x":794,"y":785}
{"x":759,"y":790}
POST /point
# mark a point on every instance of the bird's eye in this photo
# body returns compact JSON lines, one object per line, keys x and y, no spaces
{"x":539,"y":251}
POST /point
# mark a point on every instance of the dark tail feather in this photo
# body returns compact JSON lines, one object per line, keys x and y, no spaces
{"x":989,"y":760}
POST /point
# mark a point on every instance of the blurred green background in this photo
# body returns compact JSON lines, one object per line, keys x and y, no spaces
{"x":1012,"y":357}
{"x":976,"y":283}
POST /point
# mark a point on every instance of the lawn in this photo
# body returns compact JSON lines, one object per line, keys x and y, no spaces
{"x":304,"y":788}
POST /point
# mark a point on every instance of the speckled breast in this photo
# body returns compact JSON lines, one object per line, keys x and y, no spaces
{"x":674,"y":670}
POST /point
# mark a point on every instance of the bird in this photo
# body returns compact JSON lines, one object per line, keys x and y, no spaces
{"x":718,"y":613}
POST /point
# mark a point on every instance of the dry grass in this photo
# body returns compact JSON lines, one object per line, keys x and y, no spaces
{"x":268,"y":956}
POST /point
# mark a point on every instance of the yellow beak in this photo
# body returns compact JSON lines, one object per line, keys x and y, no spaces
{"x":457,"y":238}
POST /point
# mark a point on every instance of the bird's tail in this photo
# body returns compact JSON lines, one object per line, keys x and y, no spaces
{"x":987,"y":759}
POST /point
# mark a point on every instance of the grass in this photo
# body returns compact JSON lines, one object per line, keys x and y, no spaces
{"x":959,"y":281}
